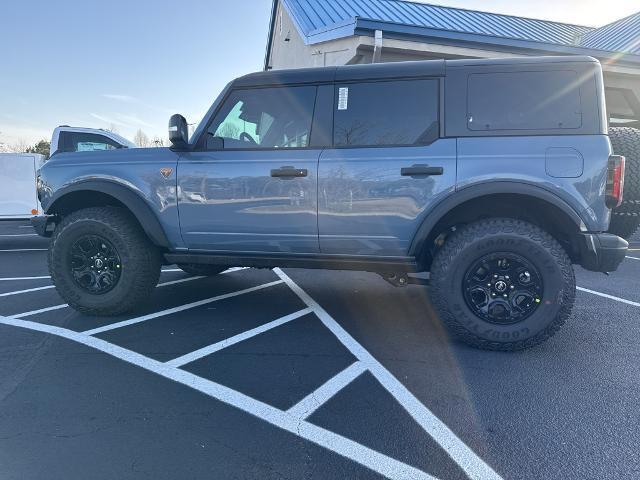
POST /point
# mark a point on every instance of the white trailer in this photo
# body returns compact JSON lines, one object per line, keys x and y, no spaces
{"x":18,"y":173}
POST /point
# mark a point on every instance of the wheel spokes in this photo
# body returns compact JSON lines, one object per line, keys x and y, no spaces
{"x":503,"y":288}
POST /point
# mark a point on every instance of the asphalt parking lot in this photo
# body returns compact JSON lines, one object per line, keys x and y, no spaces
{"x":260,"y":374}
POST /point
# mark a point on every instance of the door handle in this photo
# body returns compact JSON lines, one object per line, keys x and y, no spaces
{"x":421,"y":171}
{"x":289,"y":172}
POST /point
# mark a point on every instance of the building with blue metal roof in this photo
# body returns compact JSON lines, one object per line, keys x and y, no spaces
{"x":305,"y":33}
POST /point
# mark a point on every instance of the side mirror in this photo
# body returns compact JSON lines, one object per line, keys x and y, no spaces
{"x":178,"y":131}
{"x":214,"y":143}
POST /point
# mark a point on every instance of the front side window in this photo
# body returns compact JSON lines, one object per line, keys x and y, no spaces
{"x":524,"y":101}
{"x":265,"y":118}
{"x":386,"y":113}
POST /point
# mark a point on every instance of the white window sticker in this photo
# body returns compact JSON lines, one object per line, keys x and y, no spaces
{"x":343,"y":98}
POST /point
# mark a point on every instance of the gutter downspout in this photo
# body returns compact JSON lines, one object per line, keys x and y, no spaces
{"x":272,"y":24}
{"x":377,"y":47}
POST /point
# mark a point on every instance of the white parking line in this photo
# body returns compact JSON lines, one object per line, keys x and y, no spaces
{"x":610,"y":297}
{"x":309,"y":404}
{"x":42,"y":310}
{"x":181,"y":308}
{"x":17,"y":292}
{"x":25,"y":250}
{"x":208,"y":350}
{"x":6,"y":279}
{"x":350,"y":449}
{"x":466,"y":458}
{"x":44,"y":277}
{"x":19,"y":235}
{"x":181,"y":280}
{"x":64,"y":305}
{"x":633,"y":258}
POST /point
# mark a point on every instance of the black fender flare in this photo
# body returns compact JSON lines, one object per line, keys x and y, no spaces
{"x":470,"y":192}
{"x":134,"y":202}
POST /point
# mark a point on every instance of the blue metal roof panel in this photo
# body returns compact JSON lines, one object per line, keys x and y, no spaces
{"x":620,"y":36}
{"x":320,"y":14}
{"x":323,"y":20}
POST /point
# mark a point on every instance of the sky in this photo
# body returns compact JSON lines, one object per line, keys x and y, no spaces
{"x":130,"y":64}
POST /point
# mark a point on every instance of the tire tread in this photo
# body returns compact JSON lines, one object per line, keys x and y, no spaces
{"x":460,"y":240}
{"x":146,"y":264}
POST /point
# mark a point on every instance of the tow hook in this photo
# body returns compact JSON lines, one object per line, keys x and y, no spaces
{"x":402,"y":279}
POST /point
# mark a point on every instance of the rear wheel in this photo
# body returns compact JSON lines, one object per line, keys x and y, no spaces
{"x":625,"y":219}
{"x":502,"y":284}
{"x":201,"y":270}
{"x":101,"y":262}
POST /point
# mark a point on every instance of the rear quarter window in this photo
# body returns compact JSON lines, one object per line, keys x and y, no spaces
{"x":536,"y":100}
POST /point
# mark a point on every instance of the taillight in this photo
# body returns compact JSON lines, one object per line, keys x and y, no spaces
{"x":615,"y":181}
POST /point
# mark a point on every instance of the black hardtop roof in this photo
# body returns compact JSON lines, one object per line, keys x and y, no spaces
{"x":376,"y":71}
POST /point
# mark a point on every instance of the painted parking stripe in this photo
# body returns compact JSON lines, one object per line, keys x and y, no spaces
{"x":18,"y":292}
{"x":19,"y":235}
{"x":466,"y":458}
{"x":350,"y":449}
{"x":309,"y":404}
{"x":180,"y":280}
{"x":57,"y":307}
{"x":633,"y":258}
{"x":610,"y":297}
{"x":24,"y":250}
{"x":44,"y":277}
{"x":7,"y":279}
{"x":41,"y":310}
{"x":180,"y":308}
{"x":208,"y":350}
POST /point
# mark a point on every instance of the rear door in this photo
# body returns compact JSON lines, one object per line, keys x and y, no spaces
{"x":387,"y":167}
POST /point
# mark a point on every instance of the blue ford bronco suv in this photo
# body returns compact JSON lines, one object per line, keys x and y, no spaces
{"x":493,"y":175}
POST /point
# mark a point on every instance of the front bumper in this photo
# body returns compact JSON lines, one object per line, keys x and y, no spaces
{"x":44,"y":225}
{"x":601,"y":252}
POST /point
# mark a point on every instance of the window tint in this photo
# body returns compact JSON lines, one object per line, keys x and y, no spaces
{"x":85,"y":142}
{"x":266,"y":118}
{"x":386,"y":113}
{"x":524,"y":101}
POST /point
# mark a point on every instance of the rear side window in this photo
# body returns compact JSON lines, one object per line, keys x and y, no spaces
{"x":386,"y":113}
{"x":85,"y":142}
{"x":524,"y":101}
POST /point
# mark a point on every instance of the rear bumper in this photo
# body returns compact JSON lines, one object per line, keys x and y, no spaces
{"x":601,"y":252}
{"x":44,"y":225}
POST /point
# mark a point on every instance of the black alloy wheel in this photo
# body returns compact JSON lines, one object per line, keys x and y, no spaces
{"x":503,"y":288}
{"x":95,"y":264}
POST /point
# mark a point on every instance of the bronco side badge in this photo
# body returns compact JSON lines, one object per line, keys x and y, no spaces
{"x":166,"y":171}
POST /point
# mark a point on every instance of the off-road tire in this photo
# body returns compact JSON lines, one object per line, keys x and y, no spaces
{"x":475,"y":240}
{"x":201,"y":270}
{"x":625,"y":219}
{"x":140,"y":259}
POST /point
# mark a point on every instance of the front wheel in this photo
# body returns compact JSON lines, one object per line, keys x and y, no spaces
{"x":101,"y":262}
{"x":502,"y":284}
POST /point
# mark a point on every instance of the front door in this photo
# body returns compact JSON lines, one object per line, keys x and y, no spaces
{"x":253,"y":188}
{"x":387,"y":168}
